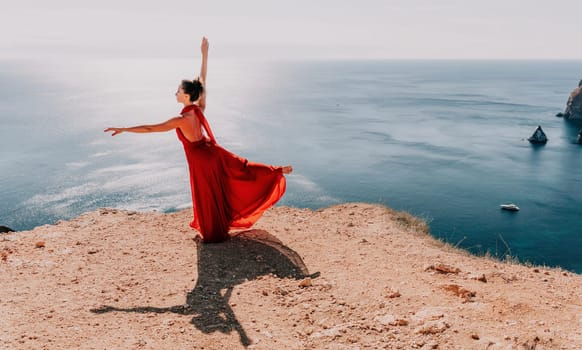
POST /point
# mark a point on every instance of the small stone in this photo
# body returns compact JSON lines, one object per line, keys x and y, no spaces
{"x":394,"y":295}
{"x":475,"y":336}
{"x":265,"y":293}
{"x":39,"y":244}
{"x":459,"y":291}
{"x":399,"y":322}
{"x":353,"y":339}
{"x":445,"y":269}
{"x":281,"y":291}
{"x":434,"y":328}
{"x":305,"y":283}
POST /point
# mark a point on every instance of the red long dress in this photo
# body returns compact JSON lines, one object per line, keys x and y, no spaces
{"x":228,"y":191}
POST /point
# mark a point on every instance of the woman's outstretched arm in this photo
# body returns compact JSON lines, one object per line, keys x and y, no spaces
{"x":203,"y":69}
{"x":168,"y":125}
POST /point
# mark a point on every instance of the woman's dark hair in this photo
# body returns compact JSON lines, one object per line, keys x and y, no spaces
{"x":580,"y":83}
{"x":194,"y":88}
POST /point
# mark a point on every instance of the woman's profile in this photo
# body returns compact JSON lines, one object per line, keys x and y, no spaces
{"x":228,"y":191}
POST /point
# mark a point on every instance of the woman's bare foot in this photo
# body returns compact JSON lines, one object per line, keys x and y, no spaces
{"x":287,"y":169}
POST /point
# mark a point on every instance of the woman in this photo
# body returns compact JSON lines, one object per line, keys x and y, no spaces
{"x":228,"y":192}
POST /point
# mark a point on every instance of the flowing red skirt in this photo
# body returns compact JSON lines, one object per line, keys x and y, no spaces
{"x":228,"y":191}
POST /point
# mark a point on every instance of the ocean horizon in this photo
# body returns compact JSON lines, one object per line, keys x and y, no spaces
{"x":442,"y":139}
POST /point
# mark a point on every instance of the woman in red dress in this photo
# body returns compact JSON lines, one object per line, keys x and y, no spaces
{"x":228,"y":191}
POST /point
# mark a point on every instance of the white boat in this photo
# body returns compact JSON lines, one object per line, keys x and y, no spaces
{"x":510,"y":207}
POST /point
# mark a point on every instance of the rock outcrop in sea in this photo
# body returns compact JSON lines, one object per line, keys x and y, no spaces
{"x":539,"y":136}
{"x":574,"y":105}
{"x":5,"y":229}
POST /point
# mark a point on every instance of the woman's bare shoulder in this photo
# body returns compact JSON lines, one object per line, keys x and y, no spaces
{"x":188,"y":118}
{"x":189,"y":115}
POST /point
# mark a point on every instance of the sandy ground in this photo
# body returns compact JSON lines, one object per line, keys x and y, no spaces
{"x":353,"y":276}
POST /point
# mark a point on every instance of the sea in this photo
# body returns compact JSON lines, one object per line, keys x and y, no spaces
{"x":445,"y":140}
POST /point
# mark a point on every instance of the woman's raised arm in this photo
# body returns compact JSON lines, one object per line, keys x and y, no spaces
{"x":203,"y":69}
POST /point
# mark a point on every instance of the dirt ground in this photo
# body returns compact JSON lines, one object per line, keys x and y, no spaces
{"x":353,"y":276}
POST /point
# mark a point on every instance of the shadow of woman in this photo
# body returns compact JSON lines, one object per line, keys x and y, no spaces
{"x":221,"y":267}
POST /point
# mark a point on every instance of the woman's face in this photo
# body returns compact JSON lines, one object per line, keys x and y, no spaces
{"x":181,"y":96}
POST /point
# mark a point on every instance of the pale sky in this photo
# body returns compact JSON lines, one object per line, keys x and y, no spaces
{"x":391,"y":29}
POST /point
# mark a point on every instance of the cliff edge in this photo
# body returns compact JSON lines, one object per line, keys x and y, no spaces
{"x":352,"y":276}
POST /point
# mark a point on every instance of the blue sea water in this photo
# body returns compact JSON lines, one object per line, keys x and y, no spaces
{"x":443,"y":140}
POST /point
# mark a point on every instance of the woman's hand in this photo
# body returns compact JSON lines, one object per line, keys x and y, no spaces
{"x":115,"y":130}
{"x":204,"y":46}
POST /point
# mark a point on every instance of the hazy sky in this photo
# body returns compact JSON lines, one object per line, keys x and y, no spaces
{"x":299,"y":28}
